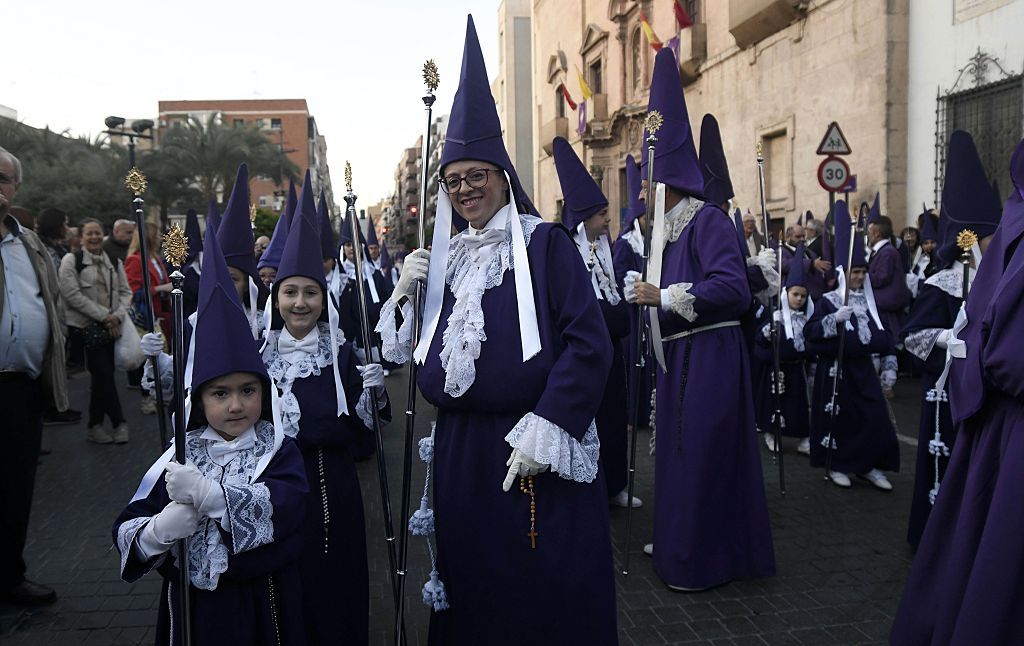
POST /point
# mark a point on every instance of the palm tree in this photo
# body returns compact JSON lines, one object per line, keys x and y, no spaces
{"x":210,"y":152}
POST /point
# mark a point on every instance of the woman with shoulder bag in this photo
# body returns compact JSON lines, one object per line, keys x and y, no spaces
{"x":97,"y":296}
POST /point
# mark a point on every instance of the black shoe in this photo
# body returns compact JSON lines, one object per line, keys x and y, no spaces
{"x":54,"y":417}
{"x":28,"y":593}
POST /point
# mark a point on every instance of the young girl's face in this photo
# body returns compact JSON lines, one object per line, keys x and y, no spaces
{"x":241,"y":282}
{"x":300,"y":301}
{"x":232,"y":403}
{"x":797,"y":297}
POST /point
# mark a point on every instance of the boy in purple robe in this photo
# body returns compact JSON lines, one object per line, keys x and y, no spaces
{"x":929,"y":328}
{"x":796,"y":309}
{"x":326,"y":407}
{"x":965,"y":582}
{"x":863,"y":439}
{"x":711,"y":517}
{"x":586,"y":217}
{"x":239,"y":499}
{"x":515,"y":354}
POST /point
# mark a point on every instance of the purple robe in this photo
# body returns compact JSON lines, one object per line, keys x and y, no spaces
{"x":499,"y":589}
{"x":335,"y":575}
{"x":792,"y":363}
{"x":259,"y":598}
{"x":863,"y":436}
{"x":934,"y":309}
{"x":711,"y":517}
{"x":626,"y":260}
{"x":965,"y":583}
{"x":611,"y":419}
{"x":889,"y":283}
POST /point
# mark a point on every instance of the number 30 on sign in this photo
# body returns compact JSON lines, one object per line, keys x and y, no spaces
{"x":833,"y":174}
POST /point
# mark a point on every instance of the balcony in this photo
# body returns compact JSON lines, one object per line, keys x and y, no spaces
{"x":557,"y":127}
{"x":597,"y":108}
{"x":693,"y":51}
{"x":751,"y":21}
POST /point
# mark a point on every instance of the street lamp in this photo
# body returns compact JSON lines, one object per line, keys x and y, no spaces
{"x":115,"y":126}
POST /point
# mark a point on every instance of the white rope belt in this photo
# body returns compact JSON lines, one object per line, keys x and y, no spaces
{"x":698,"y":330}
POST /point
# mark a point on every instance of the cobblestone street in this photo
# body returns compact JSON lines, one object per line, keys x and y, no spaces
{"x":841,"y":554}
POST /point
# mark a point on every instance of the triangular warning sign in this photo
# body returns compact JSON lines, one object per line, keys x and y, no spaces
{"x":834,"y":142}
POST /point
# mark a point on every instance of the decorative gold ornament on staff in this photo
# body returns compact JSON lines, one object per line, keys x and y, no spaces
{"x":431,"y":77}
{"x":135,"y":181}
{"x":348,"y":177}
{"x":653,"y":121}
{"x":966,"y":240}
{"x":175,"y":246}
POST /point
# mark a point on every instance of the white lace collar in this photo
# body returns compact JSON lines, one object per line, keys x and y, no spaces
{"x":680,"y":215}
{"x":464,"y":334}
{"x":635,"y":239}
{"x":297,"y":365}
{"x":597,"y":256}
{"x":951,"y":280}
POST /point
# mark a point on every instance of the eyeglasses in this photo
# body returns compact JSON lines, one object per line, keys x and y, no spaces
{"x":475,"y":179}
{"x":6,"y":179}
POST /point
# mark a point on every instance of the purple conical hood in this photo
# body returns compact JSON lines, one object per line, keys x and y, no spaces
{"x":842,"y":246}
{"x":633,"y":186}
{"x":345,"y":234}
{"x":474,"y":130}
{"x":967,"y":199}
{"x":212,"y":217}
{"x":301,"y":255}
{"x":581,"y":194}
{"x":929,"y":227}
{"x":797,"y":276}
{"x":738,"y":217}
{"x":385,"y":257}
{"x":809,"y":218}
{"x":272,"y":254}
{"x":327,"y":246}
{"x":717,"y":185}
{"x":193,"y":235}
{"x":875,"y":212}
{"x":800,"y":220}
{"x":222,"y":336}
{"x":675,"y":157}
{"x":234,"y":235}
{"x":371,"y":234}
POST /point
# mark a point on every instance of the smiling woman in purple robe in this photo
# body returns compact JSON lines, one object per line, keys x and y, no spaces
{"x":515,"y":356}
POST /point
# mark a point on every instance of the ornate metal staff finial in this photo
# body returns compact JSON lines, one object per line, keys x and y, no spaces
{"x":175,"y":246}
{"x":135,"y":181}
{"x":966,"y":240}
{"x":252,"y":213}
{"x":348,"y":177}
{"x":760,"y":151}
{"x":653,"y":122}
{"x":431,"y":77}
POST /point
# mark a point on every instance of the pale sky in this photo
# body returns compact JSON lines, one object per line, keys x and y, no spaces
{"x":71,"y":63}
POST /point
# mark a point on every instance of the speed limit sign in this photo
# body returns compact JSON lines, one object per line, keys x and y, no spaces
{"x":833,"y":174}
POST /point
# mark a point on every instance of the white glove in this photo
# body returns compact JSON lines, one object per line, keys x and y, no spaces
{"x":415,"y":269}
{"x":766,"y":257}
{"x":766,"y":331}
{"x":173,"y":522}
{"x":373,"y":376}
{"x":844,"y":314}
{"x":185,"y":484}
{"x":520,"y":464}
{"x":152,"y":344}
{"x":629,"y":286}
{"x":888,"y":378}
{"x":942,"y":341}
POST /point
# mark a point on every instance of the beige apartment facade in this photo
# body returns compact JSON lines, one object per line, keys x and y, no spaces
{"x":772,"y":71}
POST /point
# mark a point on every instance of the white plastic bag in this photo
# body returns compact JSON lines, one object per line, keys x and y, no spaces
{"x":127,"y":349}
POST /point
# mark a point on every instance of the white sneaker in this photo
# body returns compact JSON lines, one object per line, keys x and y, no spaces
{"x":98,"y":435}
{"x":679,"y":588}
{"x":148,"y":406}
{"x":878,"y":479}
{"x":649,"y":549}
{"x":804,"y":446}
{"x":621,"y":499}
{"x":120,"y":434}
{"x":387,"y":373}
{"x":839,"y":479}
{"x":769,"y":441}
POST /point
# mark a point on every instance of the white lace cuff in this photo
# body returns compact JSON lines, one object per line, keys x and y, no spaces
{"x":828,"y":325}
{"x":250,"y":516}
{"x":137,"y":534}
{"x":364,"y":407}
{"x":548,"y":444}
{"x":921,"y":343}
{"x":396,"y":341}
{"x":680,"y":301}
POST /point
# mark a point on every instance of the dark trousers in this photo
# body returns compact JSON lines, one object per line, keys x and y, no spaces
{"x":103,"y":400}
{"x":21,"y":399}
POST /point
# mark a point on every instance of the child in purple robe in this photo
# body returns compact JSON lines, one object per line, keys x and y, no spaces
{"x":326,"y":406}
{"x":863,"y":438}
{"x":239,"y":499}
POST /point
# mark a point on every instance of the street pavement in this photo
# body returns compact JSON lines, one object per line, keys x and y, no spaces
{"x":841,"y":555}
